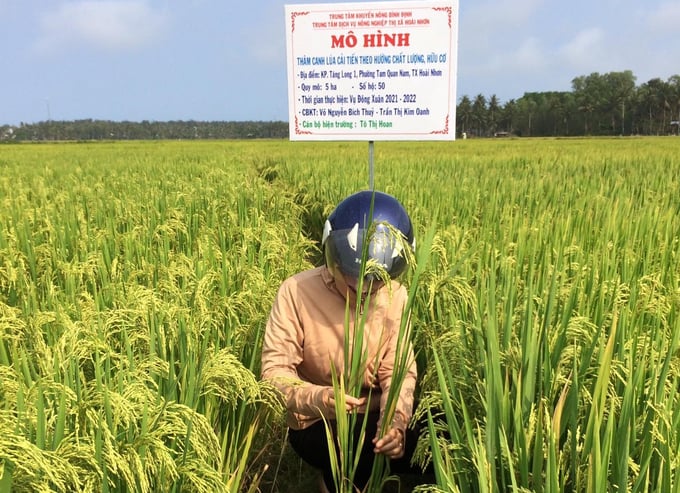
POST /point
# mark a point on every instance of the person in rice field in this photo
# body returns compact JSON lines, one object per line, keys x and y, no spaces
{"x":305,"y":336}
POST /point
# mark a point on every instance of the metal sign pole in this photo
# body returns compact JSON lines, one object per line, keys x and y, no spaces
{"x":370,"y":165}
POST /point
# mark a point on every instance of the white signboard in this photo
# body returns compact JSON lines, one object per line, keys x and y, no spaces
{"x":372,"y":70}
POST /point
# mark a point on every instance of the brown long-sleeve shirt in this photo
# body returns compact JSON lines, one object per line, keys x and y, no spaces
{"x":305,"y":335}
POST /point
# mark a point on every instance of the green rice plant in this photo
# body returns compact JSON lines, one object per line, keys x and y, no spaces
{"x":128,"y":272}
{"x":405,"y":338}
{"x":120,"y":301}
{"x":345,"y":459}
{"x":344,"y":452}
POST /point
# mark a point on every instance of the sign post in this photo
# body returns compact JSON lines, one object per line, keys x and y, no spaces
{"x":372,"y":71}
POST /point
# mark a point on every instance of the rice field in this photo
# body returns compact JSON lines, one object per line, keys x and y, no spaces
{"x":136,"y":279}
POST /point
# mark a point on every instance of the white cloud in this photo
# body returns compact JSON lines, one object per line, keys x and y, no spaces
{"x":113,"y":25}
{"x":503,"y":14}
{"x":527,"y":57}
{"x":488,"y":24}
{"x":529,"y":54}
{"x":496,"y":37}
{"x":265,"y":44}
{"x":666,"y":17}
{"x":585,"y":50}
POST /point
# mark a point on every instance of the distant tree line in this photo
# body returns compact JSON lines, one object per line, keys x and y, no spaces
{"x":598,"y":104}
{"x":145,"y":130}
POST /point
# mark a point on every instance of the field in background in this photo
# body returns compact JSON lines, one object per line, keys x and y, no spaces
{"x":136,"y":278}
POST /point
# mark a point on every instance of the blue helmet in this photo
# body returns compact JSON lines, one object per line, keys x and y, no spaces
{"x":346,"y":228}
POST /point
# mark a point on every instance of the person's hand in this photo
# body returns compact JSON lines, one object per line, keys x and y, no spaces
{"x":391,"y":444}
{"x":352,"y":404}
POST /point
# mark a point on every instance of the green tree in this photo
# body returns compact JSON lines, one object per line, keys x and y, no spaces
{"x":464,"y":114}
{"x":526,"y":109}
{"x":653,"y":98}
{"x":620,"y":88}
{"x":493,"y":114}
{"x":508,"y":116}
{"x":674,"y":92}
{"x":588,"y":91}
{"x":479,"y":115}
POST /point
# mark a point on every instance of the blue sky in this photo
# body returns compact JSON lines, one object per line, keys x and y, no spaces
{"x":226,"y":59}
